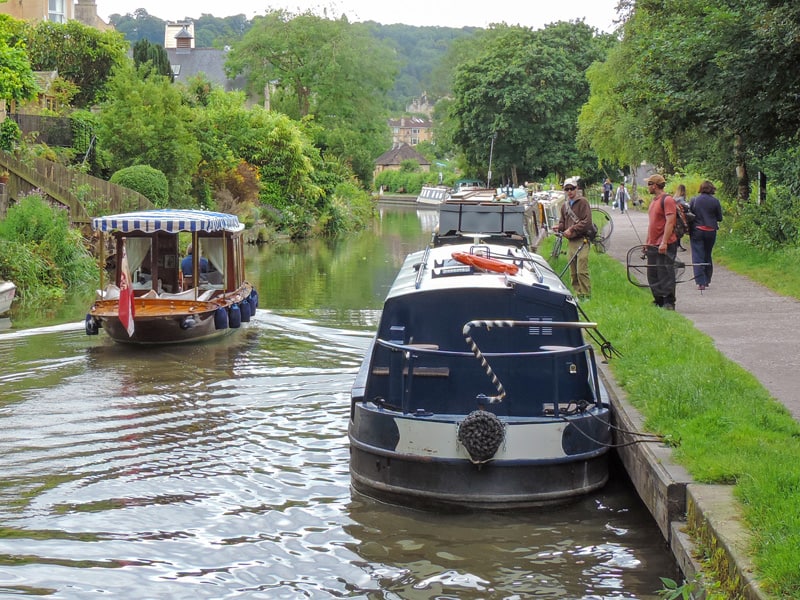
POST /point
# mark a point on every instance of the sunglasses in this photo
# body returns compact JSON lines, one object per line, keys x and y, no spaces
{"x":569,"y":188}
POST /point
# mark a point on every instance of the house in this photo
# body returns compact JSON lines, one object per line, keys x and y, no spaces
{"x":393,"y":159}
{"x":55,"y":11}
{"x":411,"y":130}
{"x":187,"y":61}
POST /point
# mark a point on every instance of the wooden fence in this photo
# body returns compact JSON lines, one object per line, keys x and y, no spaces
{"x":83,"y":195}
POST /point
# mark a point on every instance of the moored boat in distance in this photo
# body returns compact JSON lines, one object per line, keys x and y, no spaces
{"x":7,"y":292}
{"x":479,"y":389}
{"x":148,"y":299}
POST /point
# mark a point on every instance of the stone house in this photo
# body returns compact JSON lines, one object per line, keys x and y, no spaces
{"x":393,"y":159}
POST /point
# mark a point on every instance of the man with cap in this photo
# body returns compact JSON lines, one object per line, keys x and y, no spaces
{"x":574,"y":223}
{"x":662,"y":244}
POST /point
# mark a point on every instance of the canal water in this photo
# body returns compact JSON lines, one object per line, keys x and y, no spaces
{"x":220,"y":470}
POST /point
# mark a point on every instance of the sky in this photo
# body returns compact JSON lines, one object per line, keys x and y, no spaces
{"x":476,"y":13}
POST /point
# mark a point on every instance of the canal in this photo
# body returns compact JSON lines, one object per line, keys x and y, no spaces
{"x":220,"y":470}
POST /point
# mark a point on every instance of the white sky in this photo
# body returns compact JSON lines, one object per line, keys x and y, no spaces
{"x":478,"y":13}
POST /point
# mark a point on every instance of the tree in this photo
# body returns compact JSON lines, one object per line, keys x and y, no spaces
{"x":144,"y":122}
{"x":139,"y":26}
{"x":144,"y":52}
{"x":81,"y":54}
{"x":331,"y":70}
{"x":16,"y":76}
{"x":523,"y":91}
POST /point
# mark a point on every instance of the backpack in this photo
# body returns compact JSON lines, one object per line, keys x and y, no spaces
{"x":683,"y":218}
{"x":591,"y":235}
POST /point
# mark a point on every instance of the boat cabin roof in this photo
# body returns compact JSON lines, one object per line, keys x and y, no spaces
{"x":168,"y":220}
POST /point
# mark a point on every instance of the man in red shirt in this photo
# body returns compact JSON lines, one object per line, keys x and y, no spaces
{"x":662,"y":244}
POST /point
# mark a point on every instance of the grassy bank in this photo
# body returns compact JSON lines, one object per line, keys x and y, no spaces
{"x":723,"y":425}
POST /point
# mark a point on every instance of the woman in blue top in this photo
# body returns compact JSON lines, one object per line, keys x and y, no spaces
{"x":708,"y":214}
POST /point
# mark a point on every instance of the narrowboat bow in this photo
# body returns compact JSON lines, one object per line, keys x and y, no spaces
{"x":479,"y":389}
{"x":148,"y":299}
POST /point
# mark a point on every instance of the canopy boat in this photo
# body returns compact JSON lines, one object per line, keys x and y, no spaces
{"x":148,"y":299}
{"x":7,"y":292}
{"x":479,"y":389}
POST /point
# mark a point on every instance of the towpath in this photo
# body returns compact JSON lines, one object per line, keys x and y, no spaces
{"x":751,"y":325}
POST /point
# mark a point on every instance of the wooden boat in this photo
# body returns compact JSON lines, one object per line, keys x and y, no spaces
{"x":479,"y":389}
{"x":7,"y":292}
{"x":148,"y":300}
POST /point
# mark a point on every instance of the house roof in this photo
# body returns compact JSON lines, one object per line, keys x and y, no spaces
{"x":410,"y":122}
{"x":211,"y":61}
{"x":398,"y":154}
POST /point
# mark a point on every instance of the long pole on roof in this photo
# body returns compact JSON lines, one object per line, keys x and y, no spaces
{"x":491,"y":151}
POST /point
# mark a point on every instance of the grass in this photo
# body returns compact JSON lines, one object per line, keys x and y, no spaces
{"x":724,"y":426}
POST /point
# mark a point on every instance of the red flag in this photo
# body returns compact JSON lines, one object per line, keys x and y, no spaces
{"x":126,"y":307}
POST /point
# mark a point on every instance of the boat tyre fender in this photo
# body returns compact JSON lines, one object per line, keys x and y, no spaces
{"x":481,"y":433}
{"x":221,"y":318}
{"x":92,"y":325}
{"x":486,"y":263}
{"x":244,"y":308}
{"x":235,"y":317}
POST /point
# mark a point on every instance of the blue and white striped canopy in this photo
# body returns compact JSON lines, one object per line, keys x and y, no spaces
{"x":169,"y":220}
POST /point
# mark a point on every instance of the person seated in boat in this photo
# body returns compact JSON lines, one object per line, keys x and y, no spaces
{"x":186,"y":263}
{"x":187,"y":269}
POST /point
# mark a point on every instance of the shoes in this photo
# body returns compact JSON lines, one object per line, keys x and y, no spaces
{"x":701,"y":287}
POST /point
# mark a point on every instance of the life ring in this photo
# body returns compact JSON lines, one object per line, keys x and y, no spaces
{"x":485,"y":263}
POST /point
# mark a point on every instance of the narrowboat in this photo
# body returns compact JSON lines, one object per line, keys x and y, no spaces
{"x":479,"y":389}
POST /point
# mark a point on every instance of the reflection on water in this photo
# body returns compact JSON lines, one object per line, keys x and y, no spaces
{"x":220,"y":470}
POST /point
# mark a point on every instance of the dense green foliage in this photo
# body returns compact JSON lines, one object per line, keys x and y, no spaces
{"x":10,"y":134}
{"x":145,"y":122}
{"x":146,"y":180}
{"x":16,"y":74}
{"x":329,"y":70}
{"x":81,"y":54}
{"x":700,"y":85}
{"x":144,"y":52}
{"x":40,"y":252}
{"x":523,"y":89}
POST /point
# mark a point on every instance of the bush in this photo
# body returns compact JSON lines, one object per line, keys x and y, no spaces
{"x":39,"y":251}
{"x":146,"y":180}
{"x":10,"y":135}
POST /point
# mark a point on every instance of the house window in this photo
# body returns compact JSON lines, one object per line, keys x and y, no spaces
{"x":56,"y":12}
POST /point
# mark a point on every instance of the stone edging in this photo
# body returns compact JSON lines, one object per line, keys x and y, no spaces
{"x":687,"y":513}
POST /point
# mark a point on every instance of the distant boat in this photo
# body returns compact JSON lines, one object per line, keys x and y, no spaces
{"x":148,"y":299}
{"x":7,"y":292}
{"x":479,"y":389}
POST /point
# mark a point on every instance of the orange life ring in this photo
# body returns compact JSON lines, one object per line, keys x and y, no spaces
{"x":485,"y":263}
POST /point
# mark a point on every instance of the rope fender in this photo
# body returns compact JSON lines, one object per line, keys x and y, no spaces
{"x":481,"y":433}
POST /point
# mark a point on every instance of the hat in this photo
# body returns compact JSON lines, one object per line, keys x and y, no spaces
{"x":657,"y":179}
{"x":573,"y":181}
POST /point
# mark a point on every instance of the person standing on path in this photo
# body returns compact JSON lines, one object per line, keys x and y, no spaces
{"x":662,"y":244}
{"x":621,"y":197}
{"x":708,"y":214}
{"x":574,"y":223}
{"x":680,"y":198}
{"x":607,"y":187}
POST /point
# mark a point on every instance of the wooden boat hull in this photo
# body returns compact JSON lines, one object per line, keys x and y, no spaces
{"x":169,"y":321}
